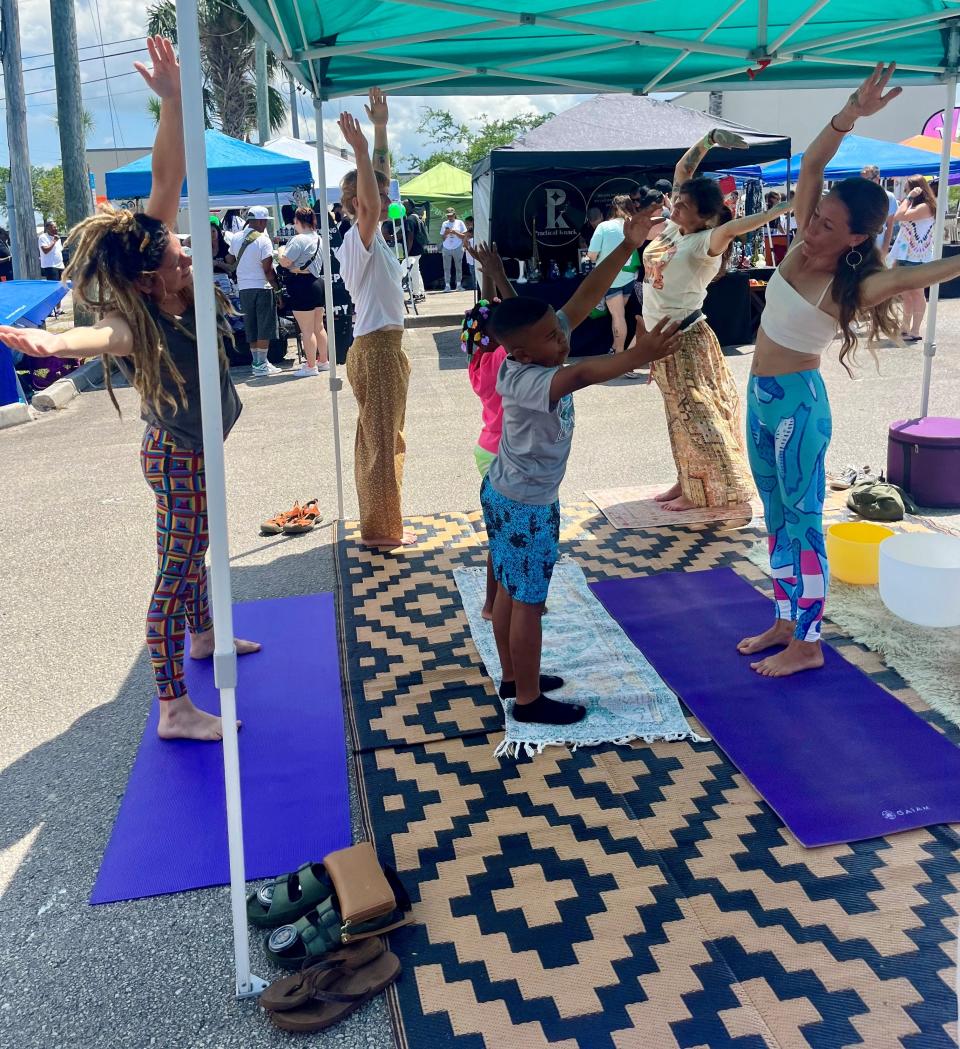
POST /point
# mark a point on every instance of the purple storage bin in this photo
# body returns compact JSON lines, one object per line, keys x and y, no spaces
{"x":923,"y":457}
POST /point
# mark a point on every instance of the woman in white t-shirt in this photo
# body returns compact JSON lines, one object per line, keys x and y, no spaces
{"x":917,"y":214}
{"x":607,"y":237}
{"x":304,"y":290}
{"x":699,"y":394}
{"x":377,"y":367}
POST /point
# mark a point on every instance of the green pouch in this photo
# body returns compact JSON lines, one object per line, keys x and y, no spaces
{"x":880,"y":501}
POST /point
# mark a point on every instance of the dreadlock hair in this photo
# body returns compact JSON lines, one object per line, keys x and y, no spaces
{"x":867,"y":208}
{"x":476,"y":336}
{"x":111,"y":250}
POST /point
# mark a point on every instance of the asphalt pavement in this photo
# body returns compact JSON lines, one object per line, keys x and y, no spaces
{"x":76,"y":531}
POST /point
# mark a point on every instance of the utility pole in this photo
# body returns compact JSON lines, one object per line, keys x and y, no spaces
{"x":715,"y":104}
{"x":27,"y":257}
{"x":294,"y":108}
{"x":66,"y":63}
{"x":263,"y":106}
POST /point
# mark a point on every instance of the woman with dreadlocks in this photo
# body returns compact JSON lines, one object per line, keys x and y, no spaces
{"x":132,"y":272}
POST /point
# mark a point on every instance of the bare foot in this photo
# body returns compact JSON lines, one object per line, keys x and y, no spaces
{"x":797,"y":656}
{"x":180,"y":719}
{"x":201,"y":645}
{"x":670,"y":493}
{"x":486,"y":613}
{"x":680,"y":503}
{"x":407,"y":539}
{"x":781,"y":633}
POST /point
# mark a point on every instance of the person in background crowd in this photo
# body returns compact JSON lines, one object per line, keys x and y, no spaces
{"x":231,"y":223}
{"x":252,"y":255}
{"x":917,"y":214}
{"x":287,"y":229}
{"x":451,"y":243}
{"x":594,"y":218}
{"x":343,"y":221}
{"x":132,"y":271}
{"x":220,"y":248}
{"x":305,"y":292}
{"x":377,"y":367}
{"x":467,"y":245}
{"x":51,"y":252}
{"x":416,"y":234}
{"x":607,"y":237}
{"x":665,"y":187}
{"x":6,"y":256}
{"x":772,"y":199}
{"x":872,"y":174}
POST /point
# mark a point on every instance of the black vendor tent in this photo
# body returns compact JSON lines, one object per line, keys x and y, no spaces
{"x":547,"y":179}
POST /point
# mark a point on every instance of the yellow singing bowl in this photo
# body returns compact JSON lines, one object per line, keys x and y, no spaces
{"x":853,"y":551}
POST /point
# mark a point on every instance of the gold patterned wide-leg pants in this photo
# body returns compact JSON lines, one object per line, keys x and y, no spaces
{"x":379,"y":372}
{"x":703,"y":419}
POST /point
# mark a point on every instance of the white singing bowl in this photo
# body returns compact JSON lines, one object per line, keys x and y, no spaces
{"x":920,"y":578}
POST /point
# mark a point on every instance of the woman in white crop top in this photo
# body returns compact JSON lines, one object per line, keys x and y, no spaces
{"x":832,"y":277}
{"x":377,"y":367}
{"x":917,"y":215}
{"x":699,"y":394}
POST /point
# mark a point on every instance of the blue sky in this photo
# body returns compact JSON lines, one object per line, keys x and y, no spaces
{"x":121,"y":118}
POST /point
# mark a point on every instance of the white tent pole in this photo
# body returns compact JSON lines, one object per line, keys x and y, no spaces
{"x":224,"y":655}
{"x":943,"y":202}
{"x":798,"y":24}
{"x":336,"y":384}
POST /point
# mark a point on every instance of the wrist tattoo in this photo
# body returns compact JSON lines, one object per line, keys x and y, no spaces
{"x":382,"y":153}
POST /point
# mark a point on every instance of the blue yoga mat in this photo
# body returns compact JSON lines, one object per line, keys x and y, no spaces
{"x":836,"y":757}
{"x":171,"y":832}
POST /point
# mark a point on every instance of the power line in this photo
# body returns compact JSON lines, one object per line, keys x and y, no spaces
{"x":86,"y":47}
{"x":92,"y":58}
{"x":95,"y":80}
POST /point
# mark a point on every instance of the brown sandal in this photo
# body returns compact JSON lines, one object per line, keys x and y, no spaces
{"x":308,"y":517}
{"x":291,"y":992}
{"x":340,"y":997}
{"x":276,"y":523}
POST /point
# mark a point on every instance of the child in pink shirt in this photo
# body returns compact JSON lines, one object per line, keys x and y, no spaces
{"x":486,"y":357}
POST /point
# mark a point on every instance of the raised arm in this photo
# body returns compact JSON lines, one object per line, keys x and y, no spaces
{"x":909,"y":210}
{"x":111,"y":336}
{"x":491,"y":268}
{"x":869,"y":98}
{"x":368,"y":191}
{"x":636,"y":229}
{"x":722,"y":236}
{"x":687,"y":166}
{"x":887,"y":283}
{"x":379,"y":115}
{"x":169,"y":163}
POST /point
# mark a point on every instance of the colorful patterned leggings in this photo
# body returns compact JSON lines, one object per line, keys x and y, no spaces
{"x":788,"y":432}
{"x":180,"y":593}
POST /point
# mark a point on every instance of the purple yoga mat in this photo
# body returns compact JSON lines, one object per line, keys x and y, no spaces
{"x":171,"y":832}
{"x":837,"y":757}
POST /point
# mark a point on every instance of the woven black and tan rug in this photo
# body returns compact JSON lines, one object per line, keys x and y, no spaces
{"x":630,"y":897}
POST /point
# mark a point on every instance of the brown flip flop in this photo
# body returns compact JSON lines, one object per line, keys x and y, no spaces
{"x":276,"y":523}
{"x":344,"y":995}
{"x":305,"y":521}
{"x":291,"y":992}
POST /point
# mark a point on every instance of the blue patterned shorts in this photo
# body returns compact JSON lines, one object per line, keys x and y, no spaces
{"x":524,"y":543}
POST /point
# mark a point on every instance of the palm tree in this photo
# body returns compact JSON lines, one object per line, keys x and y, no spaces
{"x":227,"y":49}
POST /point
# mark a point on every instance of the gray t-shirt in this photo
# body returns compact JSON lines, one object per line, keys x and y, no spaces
{"x":303,"y":248}
{"x":537,"y":433}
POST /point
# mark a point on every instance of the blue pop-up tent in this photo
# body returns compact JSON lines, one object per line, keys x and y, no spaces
{"x":893,"y":160}
{"x":23,"y":303}
{"x":233,"y":168}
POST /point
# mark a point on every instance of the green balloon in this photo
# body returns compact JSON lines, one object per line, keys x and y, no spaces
{"x":396,"y":211}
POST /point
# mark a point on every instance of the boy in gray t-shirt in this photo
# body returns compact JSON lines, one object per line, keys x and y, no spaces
{"x":520,"y":494}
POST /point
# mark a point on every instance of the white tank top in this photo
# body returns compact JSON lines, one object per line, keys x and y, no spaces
{"x":793,"y":322}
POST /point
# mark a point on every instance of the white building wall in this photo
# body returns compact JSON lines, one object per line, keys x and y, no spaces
{"x":802,"y":113}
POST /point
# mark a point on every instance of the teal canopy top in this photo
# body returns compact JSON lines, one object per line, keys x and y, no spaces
{"x":439,"y":47}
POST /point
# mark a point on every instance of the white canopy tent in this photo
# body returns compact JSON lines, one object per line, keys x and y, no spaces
{"x":787,"y":39}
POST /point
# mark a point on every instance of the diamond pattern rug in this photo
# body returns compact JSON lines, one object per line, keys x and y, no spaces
{"x":631,"y":897}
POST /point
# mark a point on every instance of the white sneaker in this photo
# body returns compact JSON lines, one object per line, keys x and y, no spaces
{"x":446,"y":287}
{"x":323,"y":367}
{"x":260,"y":370}
{"x":304,"y":372}
{"x":459,"y":287}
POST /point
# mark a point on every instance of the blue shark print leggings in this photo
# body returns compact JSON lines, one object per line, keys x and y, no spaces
{"x":788,"y":432}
